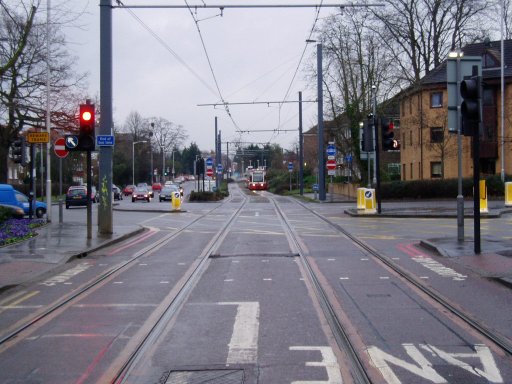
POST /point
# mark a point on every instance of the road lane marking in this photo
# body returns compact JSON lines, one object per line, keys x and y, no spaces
{"x":14,"y":304}
{"x":328,"y":361}
{"x":243,"y":346}
{"x":423,"y":368}
{"x":66,"y":275}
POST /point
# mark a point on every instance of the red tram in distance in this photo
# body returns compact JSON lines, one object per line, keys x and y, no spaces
{"x":257,"y":180}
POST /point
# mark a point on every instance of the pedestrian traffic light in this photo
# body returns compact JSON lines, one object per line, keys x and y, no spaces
{"x":86,"y":139}
{"x":19,"y":151}
{"x":367,"y":134}
{"x":471,"y":105}
{"x":388,"y":136}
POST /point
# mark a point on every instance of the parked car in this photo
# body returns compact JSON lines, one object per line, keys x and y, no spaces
{"x":141,"y":193}
{"x":76,"y":196}
{"x":145,"y":185}
{"x":156,"y":187}
{"x":167,"y":191}
{"x":128,"y":190}
{"x":11,"y":196}
{"x":14,"y":210}
{"x":117,"y":192}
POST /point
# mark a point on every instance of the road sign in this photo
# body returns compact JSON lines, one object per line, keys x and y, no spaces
{"x":59,"y":148}
{"x":315,"y":187}
{"x":105,"y":140}
{"x":290,"y":166}
{"x":209,"y":172}
{"x":331,"y":150}
{"x":71,"y":141}
{"x":219,"y":168}
{"x":331,"y":164}
{"x":209,"y":162}
{"x":38,"y":137}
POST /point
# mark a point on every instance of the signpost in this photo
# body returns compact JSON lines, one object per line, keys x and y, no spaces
{"x":290,"y":170}
{"x":60,"y":148}
{"x":105,"y":140}
{"x":38,"y":137}
{"x":219,"y":169}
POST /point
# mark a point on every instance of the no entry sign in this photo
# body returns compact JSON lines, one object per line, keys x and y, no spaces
{"x":60,"y":148}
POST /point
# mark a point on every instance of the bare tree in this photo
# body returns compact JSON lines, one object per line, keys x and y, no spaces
{"x":420,"y":33}
{"x":23,"y":41}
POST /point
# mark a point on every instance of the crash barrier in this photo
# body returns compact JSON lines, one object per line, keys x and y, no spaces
{"x":176,"y":201}
{"x":508,"y":194}
{"x":483,"y":197}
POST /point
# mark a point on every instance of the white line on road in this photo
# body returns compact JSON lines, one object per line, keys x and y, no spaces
{"x":243,"y":347}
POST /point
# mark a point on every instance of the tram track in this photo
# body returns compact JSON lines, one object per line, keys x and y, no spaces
{"x":174,"y":305}
{"x":14,"y":333}
{"x":497,"y":339}
{"x":358,"y":370}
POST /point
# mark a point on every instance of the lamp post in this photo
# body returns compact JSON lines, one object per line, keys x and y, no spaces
{"x":133,"y":159}
{"x":173,"y":165}
{"x":163,"y":165}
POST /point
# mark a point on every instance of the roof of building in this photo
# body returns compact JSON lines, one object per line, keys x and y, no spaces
{"x":490,"y":51}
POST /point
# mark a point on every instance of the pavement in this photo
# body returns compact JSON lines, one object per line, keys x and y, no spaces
{"x":58,"y":243}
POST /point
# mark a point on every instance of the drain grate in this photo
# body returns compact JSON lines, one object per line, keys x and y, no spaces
{"x":213,"y":376}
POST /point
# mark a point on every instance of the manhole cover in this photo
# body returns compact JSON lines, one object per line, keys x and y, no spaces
{"x":216,"y":376}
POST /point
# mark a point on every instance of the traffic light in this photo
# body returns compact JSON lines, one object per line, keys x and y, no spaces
{"x":388,"y":136}
{"x":367,"y":134}
{"x":19,"y":151}
{"x":86,"y":138}
{"x":471,"y":105}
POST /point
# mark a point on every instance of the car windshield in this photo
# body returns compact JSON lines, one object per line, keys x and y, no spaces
{"x":76,"y":191}
{"x":141,"y":190}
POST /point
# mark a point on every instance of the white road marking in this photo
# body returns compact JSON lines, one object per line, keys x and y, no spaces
{"x":331,"y":259}
{"x":66,"y":275}
{"x":164,"y":282}
{"x":423,"y":368}
{"x":364,"y":259}
{"x":267,"y":279}
{"x":228,"y":280}
{"x":117,"y":282}
{"x":328,"y":361}
{"x":344,"y":278}
{"x":384,"y":277}
{"x":243,"y":346}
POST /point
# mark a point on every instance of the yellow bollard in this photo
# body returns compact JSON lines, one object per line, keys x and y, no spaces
{"x":360,"y":198}
{"x":176,"y":201}
{"x":508,"y":194}
{"x":483,"y":197}
{"x":369,"y":201}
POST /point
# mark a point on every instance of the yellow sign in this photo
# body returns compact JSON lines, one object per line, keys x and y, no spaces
{"x":38,"y":137}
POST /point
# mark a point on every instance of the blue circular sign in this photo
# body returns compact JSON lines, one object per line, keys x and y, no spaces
{"x":331,"y":150}
{"x":209,"y":162}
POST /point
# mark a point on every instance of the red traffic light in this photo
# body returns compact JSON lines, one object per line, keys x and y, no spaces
{"x":87,"y":119}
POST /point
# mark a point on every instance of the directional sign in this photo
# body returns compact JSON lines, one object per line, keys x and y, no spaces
{"x":105,"y":140}
{"x":59,"y":148}
{"x":331,"y":164}
{"x":209,"y":162}
{"x":209,"y":172}
{"x":219,"y":168}
{"x":331,"y":150}
{"x":71,"y":141}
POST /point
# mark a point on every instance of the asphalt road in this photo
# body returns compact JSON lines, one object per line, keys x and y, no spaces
{"x":244,"y":309}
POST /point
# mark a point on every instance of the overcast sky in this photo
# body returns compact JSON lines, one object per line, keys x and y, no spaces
{"x":254,"y":54}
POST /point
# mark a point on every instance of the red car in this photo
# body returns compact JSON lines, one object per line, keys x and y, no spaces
{"x":128,"y":190}
{"x":156,"y":187}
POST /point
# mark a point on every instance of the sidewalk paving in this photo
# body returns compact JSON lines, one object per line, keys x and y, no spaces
{"x":57,"y":243}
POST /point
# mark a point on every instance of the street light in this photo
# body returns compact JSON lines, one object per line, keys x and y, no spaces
{"x":133,"y":159}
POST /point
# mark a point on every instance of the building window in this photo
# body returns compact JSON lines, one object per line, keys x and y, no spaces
{"x":436,"y":135}
{"x":436,"y":169}
{"x":411,"y":170}
{"x":410,"y":138}
{"x":436,"y":99}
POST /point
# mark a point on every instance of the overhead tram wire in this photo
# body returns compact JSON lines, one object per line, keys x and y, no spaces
{"x":164,"y":44}
{"x":226,"y":108}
